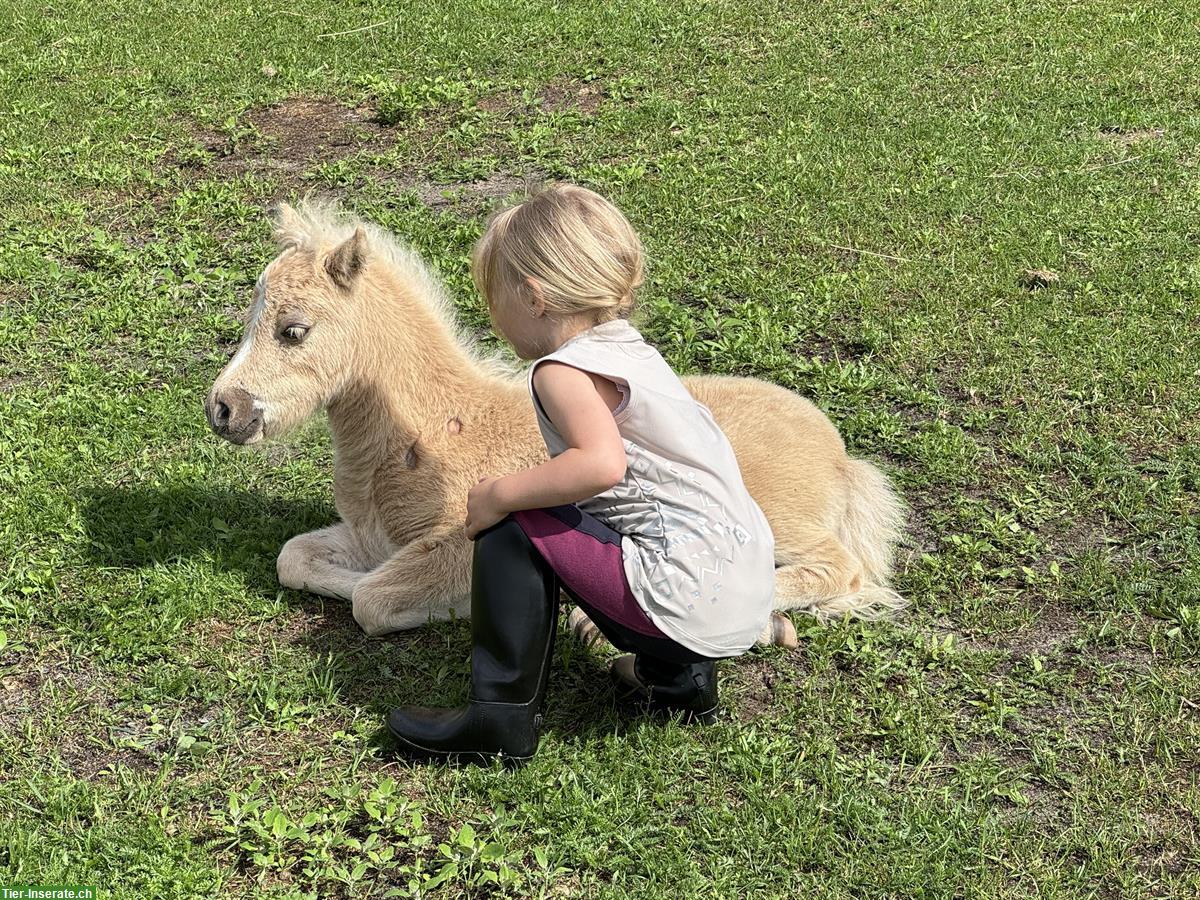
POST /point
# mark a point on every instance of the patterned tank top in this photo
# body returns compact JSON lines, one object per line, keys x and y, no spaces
{"x":697,"y":551}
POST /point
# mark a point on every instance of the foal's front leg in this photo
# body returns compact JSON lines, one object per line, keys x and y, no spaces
{"x":328,"y":561}
{"x":425,"y":579}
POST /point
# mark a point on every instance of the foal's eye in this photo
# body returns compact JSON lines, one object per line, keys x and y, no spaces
{"x":294,"y":334}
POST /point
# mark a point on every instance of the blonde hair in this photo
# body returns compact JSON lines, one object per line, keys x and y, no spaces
{"x":578,"y":247}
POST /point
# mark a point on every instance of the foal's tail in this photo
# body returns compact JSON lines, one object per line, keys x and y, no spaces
{"x":869,"y":530}
{"x":873,"y":522}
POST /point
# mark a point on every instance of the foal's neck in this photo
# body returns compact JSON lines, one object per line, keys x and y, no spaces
{"x":412,"y":375}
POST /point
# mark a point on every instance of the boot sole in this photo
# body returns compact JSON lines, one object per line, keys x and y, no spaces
{"x":456,"y":757}
{"x":630,"y":696}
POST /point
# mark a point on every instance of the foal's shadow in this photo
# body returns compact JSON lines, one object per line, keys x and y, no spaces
{"x":131,"y":526}
{"x":140,"y":525}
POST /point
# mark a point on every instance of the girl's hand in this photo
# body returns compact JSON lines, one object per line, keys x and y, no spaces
{"x":483,"y":507}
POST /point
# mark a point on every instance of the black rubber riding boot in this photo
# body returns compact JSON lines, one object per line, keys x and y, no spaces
{"x":657,"y":687}
{"x":514,"y":614}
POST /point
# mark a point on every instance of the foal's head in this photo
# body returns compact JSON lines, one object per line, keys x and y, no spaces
{"x":296,"y":353}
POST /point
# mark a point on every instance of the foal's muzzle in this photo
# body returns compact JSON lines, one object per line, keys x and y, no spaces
{"x":233,"y":415}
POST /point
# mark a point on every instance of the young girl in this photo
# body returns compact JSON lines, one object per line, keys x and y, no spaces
{"x":640,"y":514}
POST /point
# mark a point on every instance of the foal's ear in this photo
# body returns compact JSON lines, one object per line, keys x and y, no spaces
{"x":347,"y":259}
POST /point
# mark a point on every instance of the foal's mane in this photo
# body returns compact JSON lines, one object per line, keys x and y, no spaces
{"x":321,"y":224}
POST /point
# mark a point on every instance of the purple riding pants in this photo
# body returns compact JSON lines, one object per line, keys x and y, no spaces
{"x":586,"y":555}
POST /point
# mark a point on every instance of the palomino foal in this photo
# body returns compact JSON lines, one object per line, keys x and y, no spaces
{"x":349,"y":320}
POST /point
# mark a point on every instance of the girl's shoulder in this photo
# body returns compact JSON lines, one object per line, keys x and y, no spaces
{"x":617,"y":339}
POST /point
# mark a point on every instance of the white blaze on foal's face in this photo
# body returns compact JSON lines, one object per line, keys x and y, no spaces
{"x":230,"y":373}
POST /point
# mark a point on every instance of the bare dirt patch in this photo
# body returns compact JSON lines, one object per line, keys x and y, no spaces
{"x":562,"y":95}
{"x":1036,"y":279}
{"x":1090,"y":531}
{"x":473,"y":197}
{"x":918,"y":536}
{"x":12,"y":295}
{"x":1127,"y":136}
{"x":212,"y":633}
{"x":286,"y":141}
{"x":9,"y":383}
{"x":840,"y":350}
{"x":501,"y":102}
{"x":93,"y":758}
{"x":753,"y":686}
{"x":293,"y":135}
{"x":567,"y":93}
{"x":1051,"y":627}
{"x":40,"y":690}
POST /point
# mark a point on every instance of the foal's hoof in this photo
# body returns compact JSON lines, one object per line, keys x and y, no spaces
{"x":583,"y":628}
{"x":782,"y":631}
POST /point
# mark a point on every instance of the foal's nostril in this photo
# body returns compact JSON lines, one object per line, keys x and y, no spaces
{"x":234,"y":414}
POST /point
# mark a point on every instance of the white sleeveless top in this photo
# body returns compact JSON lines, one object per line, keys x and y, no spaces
{"x":697,"y":551}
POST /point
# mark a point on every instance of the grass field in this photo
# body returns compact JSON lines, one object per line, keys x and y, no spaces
{"x":844,"y":198}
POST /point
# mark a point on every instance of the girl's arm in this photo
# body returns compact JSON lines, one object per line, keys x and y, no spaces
{"x":595,"y":456}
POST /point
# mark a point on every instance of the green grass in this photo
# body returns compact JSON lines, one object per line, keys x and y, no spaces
{"x":173,"y":724}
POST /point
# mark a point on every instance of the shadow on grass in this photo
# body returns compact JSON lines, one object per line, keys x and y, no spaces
{"x":142,"y":525}
{"x":430,"y":666}
{"x":132,"y":526}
